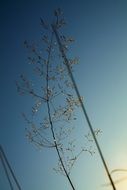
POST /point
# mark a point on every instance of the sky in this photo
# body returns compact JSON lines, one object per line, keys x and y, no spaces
{"x":99,"y":28}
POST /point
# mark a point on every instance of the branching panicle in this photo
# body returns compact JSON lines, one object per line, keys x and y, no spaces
{"x":55,"y":104}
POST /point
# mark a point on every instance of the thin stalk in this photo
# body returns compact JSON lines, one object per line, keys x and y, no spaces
{"x":66,"y":62}
{"x":12,"y":173}
{"x":6,"y":172}
{"x":50,"y":119}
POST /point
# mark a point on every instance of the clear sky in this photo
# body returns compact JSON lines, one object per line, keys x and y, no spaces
{"x":99,"y":28}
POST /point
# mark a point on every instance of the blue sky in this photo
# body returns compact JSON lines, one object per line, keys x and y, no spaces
{"x":100,"y":32}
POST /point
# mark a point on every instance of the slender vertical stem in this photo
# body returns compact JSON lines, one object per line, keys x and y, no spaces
{"x":50,"y":119}
{"x":6,"y":172}
{"x":66,"y":62}
{"x":12,"y":173}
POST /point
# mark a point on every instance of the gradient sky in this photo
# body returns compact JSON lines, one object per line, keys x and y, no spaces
{"x":99,"y":28}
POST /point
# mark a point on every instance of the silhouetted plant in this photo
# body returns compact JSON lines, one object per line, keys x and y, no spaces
{"x":53,"y":112}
